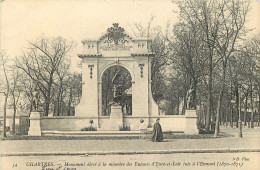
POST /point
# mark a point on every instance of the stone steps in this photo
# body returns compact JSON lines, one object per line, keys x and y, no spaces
{"x":91,"y":133}
{"x":99,"y":133}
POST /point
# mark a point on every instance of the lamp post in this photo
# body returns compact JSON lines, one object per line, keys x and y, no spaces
{"x":231,"y":118}
{"x":239,"y":113}
{"x":245,"y":101}
{"x":257,"y":106}
{"x":254,"y":105}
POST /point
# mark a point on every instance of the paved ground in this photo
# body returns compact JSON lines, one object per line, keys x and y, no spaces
{"x":250,"y":140}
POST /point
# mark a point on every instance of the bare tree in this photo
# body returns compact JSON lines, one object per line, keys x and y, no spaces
{"x":6,"y":88}
{"x":62,"y":75}
{"x":41,"y":62}
{"x":220,"y":24}
{"x":189,"y":58}
{"x":15,"y":91}
{"x":231,"y":22}
{"x":202,"y":13}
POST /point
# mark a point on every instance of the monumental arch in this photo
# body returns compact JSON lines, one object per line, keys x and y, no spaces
{"x":117,"y":48}
{"x":114,"y":49}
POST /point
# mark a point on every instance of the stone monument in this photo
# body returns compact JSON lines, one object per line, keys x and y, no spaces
{"x":190,"y":114}
{"x":133,"y":55}
{"x":116,"y":115}
{"x":117,"y":48}
{"x":35,"y":116}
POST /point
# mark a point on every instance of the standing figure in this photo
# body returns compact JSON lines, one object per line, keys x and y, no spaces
{"x":117,"y":89}
{"x":190,"y":98}
{"x":157,"y":132}
{"x":35,"y":96}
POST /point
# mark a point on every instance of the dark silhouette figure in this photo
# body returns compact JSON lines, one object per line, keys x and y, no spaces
{"x":157,"y":132}
{"x":117,"y":88}
{"x":35,"y":96}
{"x":190,"y":98}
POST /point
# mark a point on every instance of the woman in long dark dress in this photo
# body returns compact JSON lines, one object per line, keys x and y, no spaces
{"x":157,"y":132}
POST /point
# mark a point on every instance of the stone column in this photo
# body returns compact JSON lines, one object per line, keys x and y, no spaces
{"x":133,"y":94}
{"x":99,"y":101}
{"x":140,"y":95}
{"x":88,"y":106}
{"x":35,"y":124}
{"x":191,"y":123}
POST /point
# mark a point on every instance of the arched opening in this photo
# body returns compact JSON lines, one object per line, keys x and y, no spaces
{"x":116,"y":87}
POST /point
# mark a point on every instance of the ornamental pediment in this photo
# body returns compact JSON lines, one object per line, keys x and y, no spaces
{"x":115,"y":42}
{"x":115,"y":35}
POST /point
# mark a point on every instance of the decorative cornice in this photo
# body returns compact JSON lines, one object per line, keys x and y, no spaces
{"x":89,"y":55}
{"x":125,"y":34}
{"x":99,"y":55}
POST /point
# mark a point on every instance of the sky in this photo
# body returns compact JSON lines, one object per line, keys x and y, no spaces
{"x":25,"y":20}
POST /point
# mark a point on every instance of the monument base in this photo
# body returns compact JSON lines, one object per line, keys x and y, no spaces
{"x":35,"y":124}
{"x":116,"y":117}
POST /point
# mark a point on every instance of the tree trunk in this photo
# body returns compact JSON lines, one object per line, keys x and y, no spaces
{"x":58,"y":105}
{"x":258,"y":109}
{"x":48,"y":98}
{"x":231,"y":96}
{"x":5,"y":103}
{"x":218,"y":112}
{"x":194,"y":102}
{"x":232,"y":115}
{"x":220,"y":101}
{"x":178,"y":106}
{"x":221,"y":120}
{"x":237,"y":105}
{"x":70,"y":100}
{"x":226,"y":119}
{"x":209,"y":111}
{"x":245,"y":113}
{"x":13,"y":127}
{"x":60,"y":112}
{"x":184,"y":105}
{"x":252,"y":108}
{"x":47,"y":104}
{"x":200,"y":111}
